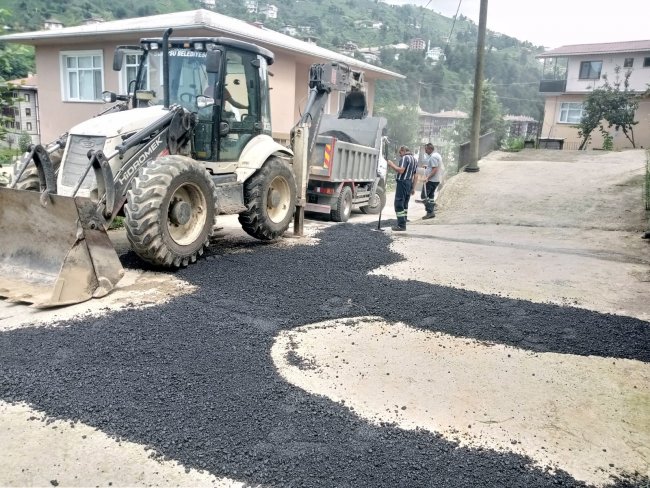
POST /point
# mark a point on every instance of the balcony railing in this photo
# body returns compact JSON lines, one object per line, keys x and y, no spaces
{"x":552,"y":86}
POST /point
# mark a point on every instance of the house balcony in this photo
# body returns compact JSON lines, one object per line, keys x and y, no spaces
{"x":552,"y":86}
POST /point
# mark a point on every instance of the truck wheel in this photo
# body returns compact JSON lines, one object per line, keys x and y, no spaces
{"x":270,"y":197}
{"x":377,"y":203}
{"x":343,"y":209}
{"x":171,"y":211}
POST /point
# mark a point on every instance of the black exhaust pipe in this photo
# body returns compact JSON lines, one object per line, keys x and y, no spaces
{"x":165,"y":48}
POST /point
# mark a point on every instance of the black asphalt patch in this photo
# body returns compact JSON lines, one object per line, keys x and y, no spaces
{"x":193,"y":378}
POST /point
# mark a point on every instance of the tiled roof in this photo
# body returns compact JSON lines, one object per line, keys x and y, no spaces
{"x":602,"y":48}
{"x":193,"y":19}
{"x":451,"y":114}
{"x":519,"y":118}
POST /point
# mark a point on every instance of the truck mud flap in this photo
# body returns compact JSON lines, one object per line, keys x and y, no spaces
{"x":53,"y":250}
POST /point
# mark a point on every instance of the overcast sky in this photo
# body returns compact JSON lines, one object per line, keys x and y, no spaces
{"x":554,"y":23}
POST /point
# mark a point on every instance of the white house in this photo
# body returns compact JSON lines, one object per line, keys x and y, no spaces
{"x":570,"y":73}
{"x":26,"y":115}
{"x":270,"y":11}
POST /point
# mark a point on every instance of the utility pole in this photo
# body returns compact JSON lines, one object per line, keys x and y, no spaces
{"x":472,"y":167}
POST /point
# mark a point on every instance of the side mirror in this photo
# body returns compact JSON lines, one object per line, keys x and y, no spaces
{"x":118,"y":59}
{"x":213,"y":61}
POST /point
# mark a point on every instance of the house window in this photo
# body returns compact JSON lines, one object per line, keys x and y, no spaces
{"x":29,"y":126}
{"x":590,"y":70}
{"x":27,"y":97}
{"x":18,"y":125}
{"x":570,"y":112}
{"x":628,"y":63}
{"x":646,"y":62}
{"x":555,"y":68}
{"x":28,"y":112}
{"x":83,"y":75}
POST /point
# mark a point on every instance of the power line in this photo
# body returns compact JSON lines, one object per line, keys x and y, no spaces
{"x":458,"y":90}
{"x":468,"y":84}
{"x":454,"y":23}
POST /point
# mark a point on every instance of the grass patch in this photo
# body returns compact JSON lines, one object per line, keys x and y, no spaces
{"x":512,"y":144}
{"x":118,"y":223}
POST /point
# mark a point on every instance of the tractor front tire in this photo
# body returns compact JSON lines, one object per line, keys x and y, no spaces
{"x":270,"y":199}
{"x":171,"y":211}
{"x":29,"y":180}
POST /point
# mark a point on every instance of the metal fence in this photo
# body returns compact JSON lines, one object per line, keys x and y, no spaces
{"x":487,"y":142}
{"x":571,"y":146}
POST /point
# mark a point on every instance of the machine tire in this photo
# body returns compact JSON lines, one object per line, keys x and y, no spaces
{"x":171,"y":211}
{"x":270,"y":197}
{"x":343,"y":209}
{"x":29,"y":179}
{"x":378,"y":203}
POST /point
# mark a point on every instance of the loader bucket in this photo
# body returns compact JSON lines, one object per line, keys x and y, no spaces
{"x":53,"y":251}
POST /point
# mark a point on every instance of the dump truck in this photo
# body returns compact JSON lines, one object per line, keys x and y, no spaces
{"x":194,"y":143}
{"x":347,"y":167}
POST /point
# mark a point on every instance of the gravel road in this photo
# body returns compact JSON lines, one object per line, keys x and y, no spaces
{"x":193,"y":378}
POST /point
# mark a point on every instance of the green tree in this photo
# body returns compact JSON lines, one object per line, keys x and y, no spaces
{"x":491,"y":114}
{"x":593,"y":111}
{"x":402,"y":123}
{"x":613,"y":103}
{"x":6,"y":108}
{"x":15,"y":61}
{"x":24,"y":142}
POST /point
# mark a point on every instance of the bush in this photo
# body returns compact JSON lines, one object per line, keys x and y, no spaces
{"x":24,"y":141}
{"x":7,"y":155}
{"x":512,"y":144}
{"x":608,"y":141}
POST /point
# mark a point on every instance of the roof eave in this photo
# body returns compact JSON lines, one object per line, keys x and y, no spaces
{"x":34,"y":39}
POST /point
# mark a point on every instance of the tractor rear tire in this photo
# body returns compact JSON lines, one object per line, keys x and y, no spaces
{"x":270,"y":199}
{"x":377,"y":203}
{"x":171,"y":211}
{"x":343,"y":209}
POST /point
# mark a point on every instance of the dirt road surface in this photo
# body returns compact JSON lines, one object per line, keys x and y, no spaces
{"x":566,"y":232}
{"x":503,"y":343}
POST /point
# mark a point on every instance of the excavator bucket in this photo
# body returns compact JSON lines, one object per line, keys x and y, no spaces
{"x":53,"y":251}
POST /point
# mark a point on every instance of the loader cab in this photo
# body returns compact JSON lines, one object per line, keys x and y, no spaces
{"x":241,"y":107}
{"x":223,"y":81}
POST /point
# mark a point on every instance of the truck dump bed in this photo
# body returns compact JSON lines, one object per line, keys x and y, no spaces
{"x":347,"y":149}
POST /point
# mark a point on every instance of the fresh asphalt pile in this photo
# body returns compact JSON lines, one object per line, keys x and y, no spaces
{"x":194,"y":379}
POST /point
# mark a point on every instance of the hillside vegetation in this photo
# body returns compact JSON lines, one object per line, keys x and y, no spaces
{"x":510,"y":64}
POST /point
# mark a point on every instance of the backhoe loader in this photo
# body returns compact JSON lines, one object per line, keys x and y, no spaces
{"x":194,"y":143}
